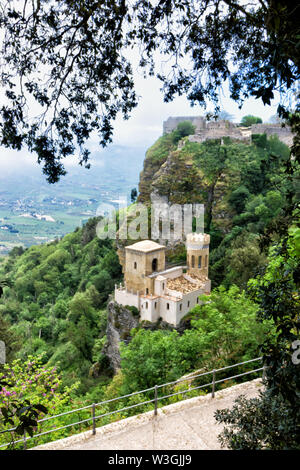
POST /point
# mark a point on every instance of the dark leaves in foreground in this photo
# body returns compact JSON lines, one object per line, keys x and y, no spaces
{"x":66,"y":69}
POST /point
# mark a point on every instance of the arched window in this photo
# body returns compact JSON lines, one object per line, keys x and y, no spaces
{"x":134,"y":265}
{"x":193,"y":261}
{"x":199,"y":261}
{"x":154,"y":264}
{"x":147,"y":291}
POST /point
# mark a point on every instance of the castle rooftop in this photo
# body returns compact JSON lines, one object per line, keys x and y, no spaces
{"x":145,"y":246}
{"x":182,"y":284}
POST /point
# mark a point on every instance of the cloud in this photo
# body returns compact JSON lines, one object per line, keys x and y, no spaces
{"x":146,"y":121}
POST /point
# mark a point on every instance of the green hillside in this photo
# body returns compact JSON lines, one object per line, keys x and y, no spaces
{"x":53,"y":311}
{"x":57,"y":302}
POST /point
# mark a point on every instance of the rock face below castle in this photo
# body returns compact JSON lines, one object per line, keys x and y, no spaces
{"x":217,"y":129}
{"x":120,"y":322}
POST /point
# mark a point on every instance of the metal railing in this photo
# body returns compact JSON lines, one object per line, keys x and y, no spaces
{"x":155,"y":400}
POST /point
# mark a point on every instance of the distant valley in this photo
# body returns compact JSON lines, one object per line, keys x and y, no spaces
{"x":33,"y":211}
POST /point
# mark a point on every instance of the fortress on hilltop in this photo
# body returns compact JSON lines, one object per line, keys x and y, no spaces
{"x":164,"y":293}
{"x":217,"y":129}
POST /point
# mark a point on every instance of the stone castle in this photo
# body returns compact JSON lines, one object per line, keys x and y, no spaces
{"x":170,"y":293}
{"x":218,"y":129}
{"x":158,"y":292}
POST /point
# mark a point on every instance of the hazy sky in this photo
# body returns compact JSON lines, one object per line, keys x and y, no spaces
{"x":147,"y":119}
{"x":145,"y":124}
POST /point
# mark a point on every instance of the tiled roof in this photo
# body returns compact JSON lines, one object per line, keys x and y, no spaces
{"x":180,"y":284}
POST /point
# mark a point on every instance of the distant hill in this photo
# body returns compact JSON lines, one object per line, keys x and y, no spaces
{"x":39,"y":212}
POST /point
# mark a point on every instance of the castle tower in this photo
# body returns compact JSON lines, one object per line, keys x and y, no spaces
{"x":142,"y":259}
{"x":197,"y":246}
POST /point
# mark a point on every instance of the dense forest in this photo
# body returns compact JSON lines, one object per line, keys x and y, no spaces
{"x":53,"y":311}
{"x":57,"y":302}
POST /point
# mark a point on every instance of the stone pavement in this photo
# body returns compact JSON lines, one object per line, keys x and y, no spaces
{"x":186,"y":425}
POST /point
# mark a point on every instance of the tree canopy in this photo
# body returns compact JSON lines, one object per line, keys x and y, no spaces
{"x":183,"y":129}
{"x":56,"y":303}
{"x":66,"y":69}
{"x":248,"y":120}
{"x":271,"y":421}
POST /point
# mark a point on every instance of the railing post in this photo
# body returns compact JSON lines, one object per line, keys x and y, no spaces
{"x":25,"y":442}
{"x":213,"y":384}
{"x":94,"y":421}
{"x":155,"y":400}
{"x":264,"y":372}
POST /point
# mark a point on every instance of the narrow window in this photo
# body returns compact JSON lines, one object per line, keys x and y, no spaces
{"x":134,"y":265}
{"x":180,"y":307}
{"x":199,"y":261}
{"x":188,"y":303}
{"x":193,"y":261}
{"x":160,"y":225}
{"x":147,"y":291}
{"x":163,"y":286}
{"x":146,"y":304}
{"x":168,"y":306}
{"x":154,"y":264}
{"x":155,"y":305}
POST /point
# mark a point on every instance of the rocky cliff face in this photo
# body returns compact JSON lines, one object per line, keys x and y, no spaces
{"x":180,"y":181}
{"x":156,"y":155}
{"x":120,"y":322}
{"x":171,"y":175}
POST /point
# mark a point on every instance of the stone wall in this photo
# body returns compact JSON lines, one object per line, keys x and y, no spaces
{"x":218,"y":129}
{"x":172,"y":122}
{"x":124,"y":297}
{"x":150,"y":308}
{"x":135,"y":267}
{"x":284,"y":133}
{"x":139,"y":265}
{"x":193,"y":262}
{"x":189,"y":301}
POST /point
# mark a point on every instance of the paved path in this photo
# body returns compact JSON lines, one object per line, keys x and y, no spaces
{"x":186,"y":425}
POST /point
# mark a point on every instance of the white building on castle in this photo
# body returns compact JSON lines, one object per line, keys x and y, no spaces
{"x":167,"y":293}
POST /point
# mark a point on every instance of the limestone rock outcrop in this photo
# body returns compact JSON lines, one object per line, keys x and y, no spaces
{"x":120,"y":322}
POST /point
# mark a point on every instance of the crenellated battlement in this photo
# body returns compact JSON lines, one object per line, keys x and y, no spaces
{"x":197,"y":239}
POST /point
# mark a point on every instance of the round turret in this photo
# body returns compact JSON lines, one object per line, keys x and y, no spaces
{"x":197,"y":246}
